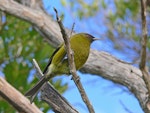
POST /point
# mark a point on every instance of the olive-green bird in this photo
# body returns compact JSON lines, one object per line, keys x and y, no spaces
{"x":58,"y":63}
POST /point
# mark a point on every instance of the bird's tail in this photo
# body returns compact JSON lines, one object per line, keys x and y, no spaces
{"x":33,"y":91}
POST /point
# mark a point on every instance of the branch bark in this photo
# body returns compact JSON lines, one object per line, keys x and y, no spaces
{"x":75,"y":77}
{"x":144,"y":32}
{"x":43,"y":22}
{"x":99,"y":63}
{"x":16,"y":99}
{"x":142,"y":64}
{"x":119,"y":72}
{"x":52,"y":97}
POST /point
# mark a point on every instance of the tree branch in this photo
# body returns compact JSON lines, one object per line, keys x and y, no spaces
{"x":72,"y":65}
{"x":43,"y":22}
{"x":52,"y":97}
{"x":144,"y":32}
{"x":16,"y":99}
{"x":142,"y":64}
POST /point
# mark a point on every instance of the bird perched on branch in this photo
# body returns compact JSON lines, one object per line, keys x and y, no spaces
{"x":58,"y":63}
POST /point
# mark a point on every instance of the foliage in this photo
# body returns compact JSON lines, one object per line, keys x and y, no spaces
{"x":124,"y":28}
{"x":83,"y":7}
{"x":19,"y":44}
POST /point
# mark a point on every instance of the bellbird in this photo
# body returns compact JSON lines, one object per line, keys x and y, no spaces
{"x":58,"y":63}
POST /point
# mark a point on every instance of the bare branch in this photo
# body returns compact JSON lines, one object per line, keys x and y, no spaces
{"x":142,"y":65}
{"x":105,"y":65}
{"x":144,"y":32}
{"x":72,"y":65}
{"x":16,"y":99}
{"x":52,"y":97}
{"x":43,"y":22}
{"x":72,"y":29}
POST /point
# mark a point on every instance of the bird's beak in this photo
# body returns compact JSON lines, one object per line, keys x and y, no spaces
{"x":96,"y":39}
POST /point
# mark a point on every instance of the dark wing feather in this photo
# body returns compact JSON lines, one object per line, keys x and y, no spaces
{"x":50,"y":60}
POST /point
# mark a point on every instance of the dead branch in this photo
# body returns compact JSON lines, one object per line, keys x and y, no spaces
{"x":58,"y":103}
{"x":70,"y":55}
{"x":142,"y":64}
{"x":16,"y":99}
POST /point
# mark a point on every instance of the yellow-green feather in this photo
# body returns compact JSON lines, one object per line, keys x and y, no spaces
{"x":80,"y":46}
{"x":57,"y":65}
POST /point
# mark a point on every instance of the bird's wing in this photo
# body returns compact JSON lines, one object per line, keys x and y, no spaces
{"x":50,"y":60}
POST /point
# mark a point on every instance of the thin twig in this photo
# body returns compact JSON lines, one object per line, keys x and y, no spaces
{"x":142,"y":64}
{"x":72,"y":28}
{"x":38,"y":70}
{"x":72,"y":65}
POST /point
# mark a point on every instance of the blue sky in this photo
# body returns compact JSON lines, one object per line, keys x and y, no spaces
{"x":105,"y":96}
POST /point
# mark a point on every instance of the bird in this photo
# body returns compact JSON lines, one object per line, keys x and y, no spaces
{"x":58,"y":63}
